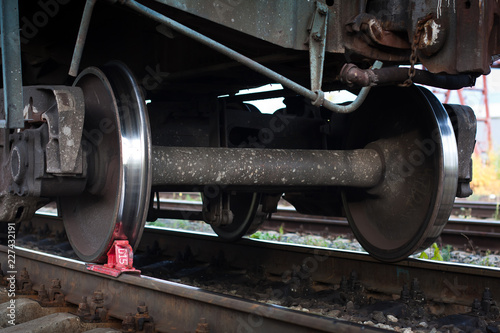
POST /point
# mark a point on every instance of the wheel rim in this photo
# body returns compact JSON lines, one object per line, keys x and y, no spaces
{"x":118,"y":148}
{"x":407,"y":211}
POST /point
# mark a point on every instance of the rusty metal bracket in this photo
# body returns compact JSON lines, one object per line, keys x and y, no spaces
{"x":317,"y":44}
{"x":11,"y":61}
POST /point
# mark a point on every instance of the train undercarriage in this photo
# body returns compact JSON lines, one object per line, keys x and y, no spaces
{"x":107,"y":103}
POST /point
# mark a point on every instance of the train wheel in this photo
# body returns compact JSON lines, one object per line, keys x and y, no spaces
{"x":408,"y":209}
{"x":247,"y":217}
{"x":118,"y":149}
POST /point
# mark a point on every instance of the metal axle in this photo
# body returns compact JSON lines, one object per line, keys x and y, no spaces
{"x":265,"y":167}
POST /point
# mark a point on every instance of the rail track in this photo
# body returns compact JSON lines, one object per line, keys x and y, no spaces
{"x":186,"y":275}
{"x":172,"y":306}
{"x":471,"y":226}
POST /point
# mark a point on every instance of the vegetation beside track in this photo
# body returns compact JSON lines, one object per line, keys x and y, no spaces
{"x":486,"y":175}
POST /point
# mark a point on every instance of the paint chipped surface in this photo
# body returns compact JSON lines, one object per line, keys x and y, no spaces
{"x":448,"y":4}
{"x":432,"y":32}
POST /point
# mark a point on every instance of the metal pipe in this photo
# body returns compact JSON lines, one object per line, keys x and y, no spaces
{"x":353,"y":75}
{"x":316,"y":96}
{"x":11,"y":61}
{"x":265,"y":167}
{"x":82,"y":35}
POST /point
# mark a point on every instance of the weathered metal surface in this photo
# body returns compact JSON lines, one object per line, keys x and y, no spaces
{"x":317,"y":44}
{"x":464,"y":125}
{"x":462,"y":36}
{"x":277,"y":167}
{"x":114,"y":205}
{"x":14,"y":208}
{"x":64,"y":116}
{"x":11,"y":65}
{"x":82,"y":35}
{"x":28,"y":167}
{"x":353,"y":75}
{"x":317,"y":97}
{"x":384,"y":29}
{"x":374,"y":29}
{"x":41,"y":155}
{"x":408,"y":209}
{"x":173,"y":306}
{"x":281,"y":22}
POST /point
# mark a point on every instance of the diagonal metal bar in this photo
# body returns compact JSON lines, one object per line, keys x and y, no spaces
{"x":317,"y":97}
{"x":82,"y":36}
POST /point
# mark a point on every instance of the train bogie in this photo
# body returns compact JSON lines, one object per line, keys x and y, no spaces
{"x":121,"y":100}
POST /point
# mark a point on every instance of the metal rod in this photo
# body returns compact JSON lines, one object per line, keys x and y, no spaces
{"x":82,"y":36}
{"x":265,"y":167}
{"x":316,"y":96}
{"x":11,"y":61}
{"x":353,"y":75}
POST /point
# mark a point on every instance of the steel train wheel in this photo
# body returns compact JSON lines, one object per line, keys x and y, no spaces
{"x":116,"y":130}
{"x":247,"y":217}
{"x":407,"y":211}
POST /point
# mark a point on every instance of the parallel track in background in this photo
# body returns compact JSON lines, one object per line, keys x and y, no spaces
{"x":474,"y":232}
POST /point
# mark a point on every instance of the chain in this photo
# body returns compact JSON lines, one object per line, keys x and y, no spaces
{"x":414,"y":46}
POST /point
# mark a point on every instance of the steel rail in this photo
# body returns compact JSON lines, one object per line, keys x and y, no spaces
{"x":475,"y":209}
{"x":478,"y":209}
{"x":329,"y":265}
{"x":442,"y":282}
{"x":469,"y":232}
{"x":173,"y":306}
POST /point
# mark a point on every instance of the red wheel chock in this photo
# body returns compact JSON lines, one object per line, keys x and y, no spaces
{"x":120,"y":260}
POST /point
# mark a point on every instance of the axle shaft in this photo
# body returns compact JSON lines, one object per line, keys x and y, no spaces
{"x":265,"y":167}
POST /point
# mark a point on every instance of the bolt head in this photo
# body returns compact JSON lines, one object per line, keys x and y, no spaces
{"x":317,"y":36}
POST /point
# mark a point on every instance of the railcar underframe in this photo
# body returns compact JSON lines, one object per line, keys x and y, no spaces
{"x":76,"y":127}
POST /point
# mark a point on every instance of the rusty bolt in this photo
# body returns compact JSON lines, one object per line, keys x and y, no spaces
{"x":56,"y":283}
{"x":317,"y":36}
{"x":486,"y":300}
{"x":149,"y":327}
{"x":98,"y":296}
{"x":322,"y":9}
{"x":142,"y":308}
{"x":83,"y":308}
{"x":128,"y":324}
{"x":343,"y":284}
{"x":42,"y":294}
{"x":60,"y":299}
{"x":202,"y":326}
{"x":24,"y":274}
{"x":476,"y":306}
{"x":405,"y":293}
